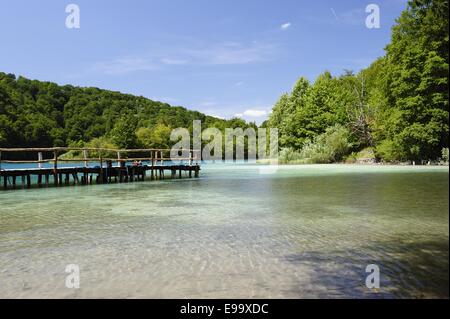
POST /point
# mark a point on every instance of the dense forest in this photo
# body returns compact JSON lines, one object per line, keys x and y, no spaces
{"x":44,"y":114}
{"x":394,"y":110}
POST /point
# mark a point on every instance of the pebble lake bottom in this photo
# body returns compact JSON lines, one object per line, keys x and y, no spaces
{"x":302,"y":232}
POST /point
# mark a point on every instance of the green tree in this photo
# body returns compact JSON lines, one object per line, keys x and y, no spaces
{"x":416,"y":82}
{"x":104,"y":143}
{"x":330,"y":146}
{"x":123,"y":134}
{"x":160,"y":137}
{"x":144,"y":136}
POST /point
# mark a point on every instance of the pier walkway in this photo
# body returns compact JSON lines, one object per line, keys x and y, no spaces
{"x":127,"y":165}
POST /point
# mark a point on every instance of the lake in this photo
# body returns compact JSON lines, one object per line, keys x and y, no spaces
{"x":236,"y":232}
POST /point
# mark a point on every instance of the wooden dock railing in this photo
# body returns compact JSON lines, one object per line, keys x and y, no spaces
{"x":155,"y":157}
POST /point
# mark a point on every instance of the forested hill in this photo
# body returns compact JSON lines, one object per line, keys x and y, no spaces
{"x":395,"y":110}
{"x":44,"y":114}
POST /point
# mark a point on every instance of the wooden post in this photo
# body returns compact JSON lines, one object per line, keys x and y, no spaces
{"x":118,"y":159}
{"x":75,"y":178}
{"x":85,"y":156}
{"x":101,"y":170}
{"x":196,"y":171}
{"x":40,"y":159}
{"x":152,"y":174}
{"x":190,"y":158}
{"x":55,"y":168}
{"x":28,"y":180}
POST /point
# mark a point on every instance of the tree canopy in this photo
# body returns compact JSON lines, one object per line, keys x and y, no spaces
{"x":398,"y":105}
{"x":44,"y":114}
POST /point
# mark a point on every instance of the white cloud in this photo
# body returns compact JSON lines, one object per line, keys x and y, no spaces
{"x":173,"y":61}
{"x":285,"y":26}
{"x":334,"y":14}
{"x":126,"y":65}
{"x":208,"y":103}
{"x":352,"y":17}
{"x":228,"y":53}
{"x":165,"y":99}
{"x":255,"y":113}
{"x":215,"y":115}
{"x":252,"y":113}
{"x":224,"y":53}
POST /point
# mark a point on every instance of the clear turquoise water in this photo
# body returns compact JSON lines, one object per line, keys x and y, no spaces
{"x":302,"y":232}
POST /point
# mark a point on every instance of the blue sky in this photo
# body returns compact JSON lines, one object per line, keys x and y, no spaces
{"x":224,"y":58}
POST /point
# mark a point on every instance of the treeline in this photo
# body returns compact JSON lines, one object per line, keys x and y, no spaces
{"x":394,"y":110}
{"x":44,"y":114}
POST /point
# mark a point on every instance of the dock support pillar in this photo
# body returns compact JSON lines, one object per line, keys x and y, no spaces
{"x":196,"y":171}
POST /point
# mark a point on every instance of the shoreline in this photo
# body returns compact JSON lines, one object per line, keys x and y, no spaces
{"x":267,"y":162}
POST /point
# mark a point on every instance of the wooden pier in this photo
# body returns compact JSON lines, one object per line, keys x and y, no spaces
{"x":93,"y":170}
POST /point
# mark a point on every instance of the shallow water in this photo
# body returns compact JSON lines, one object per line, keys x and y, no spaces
{"x":301,"y":232}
